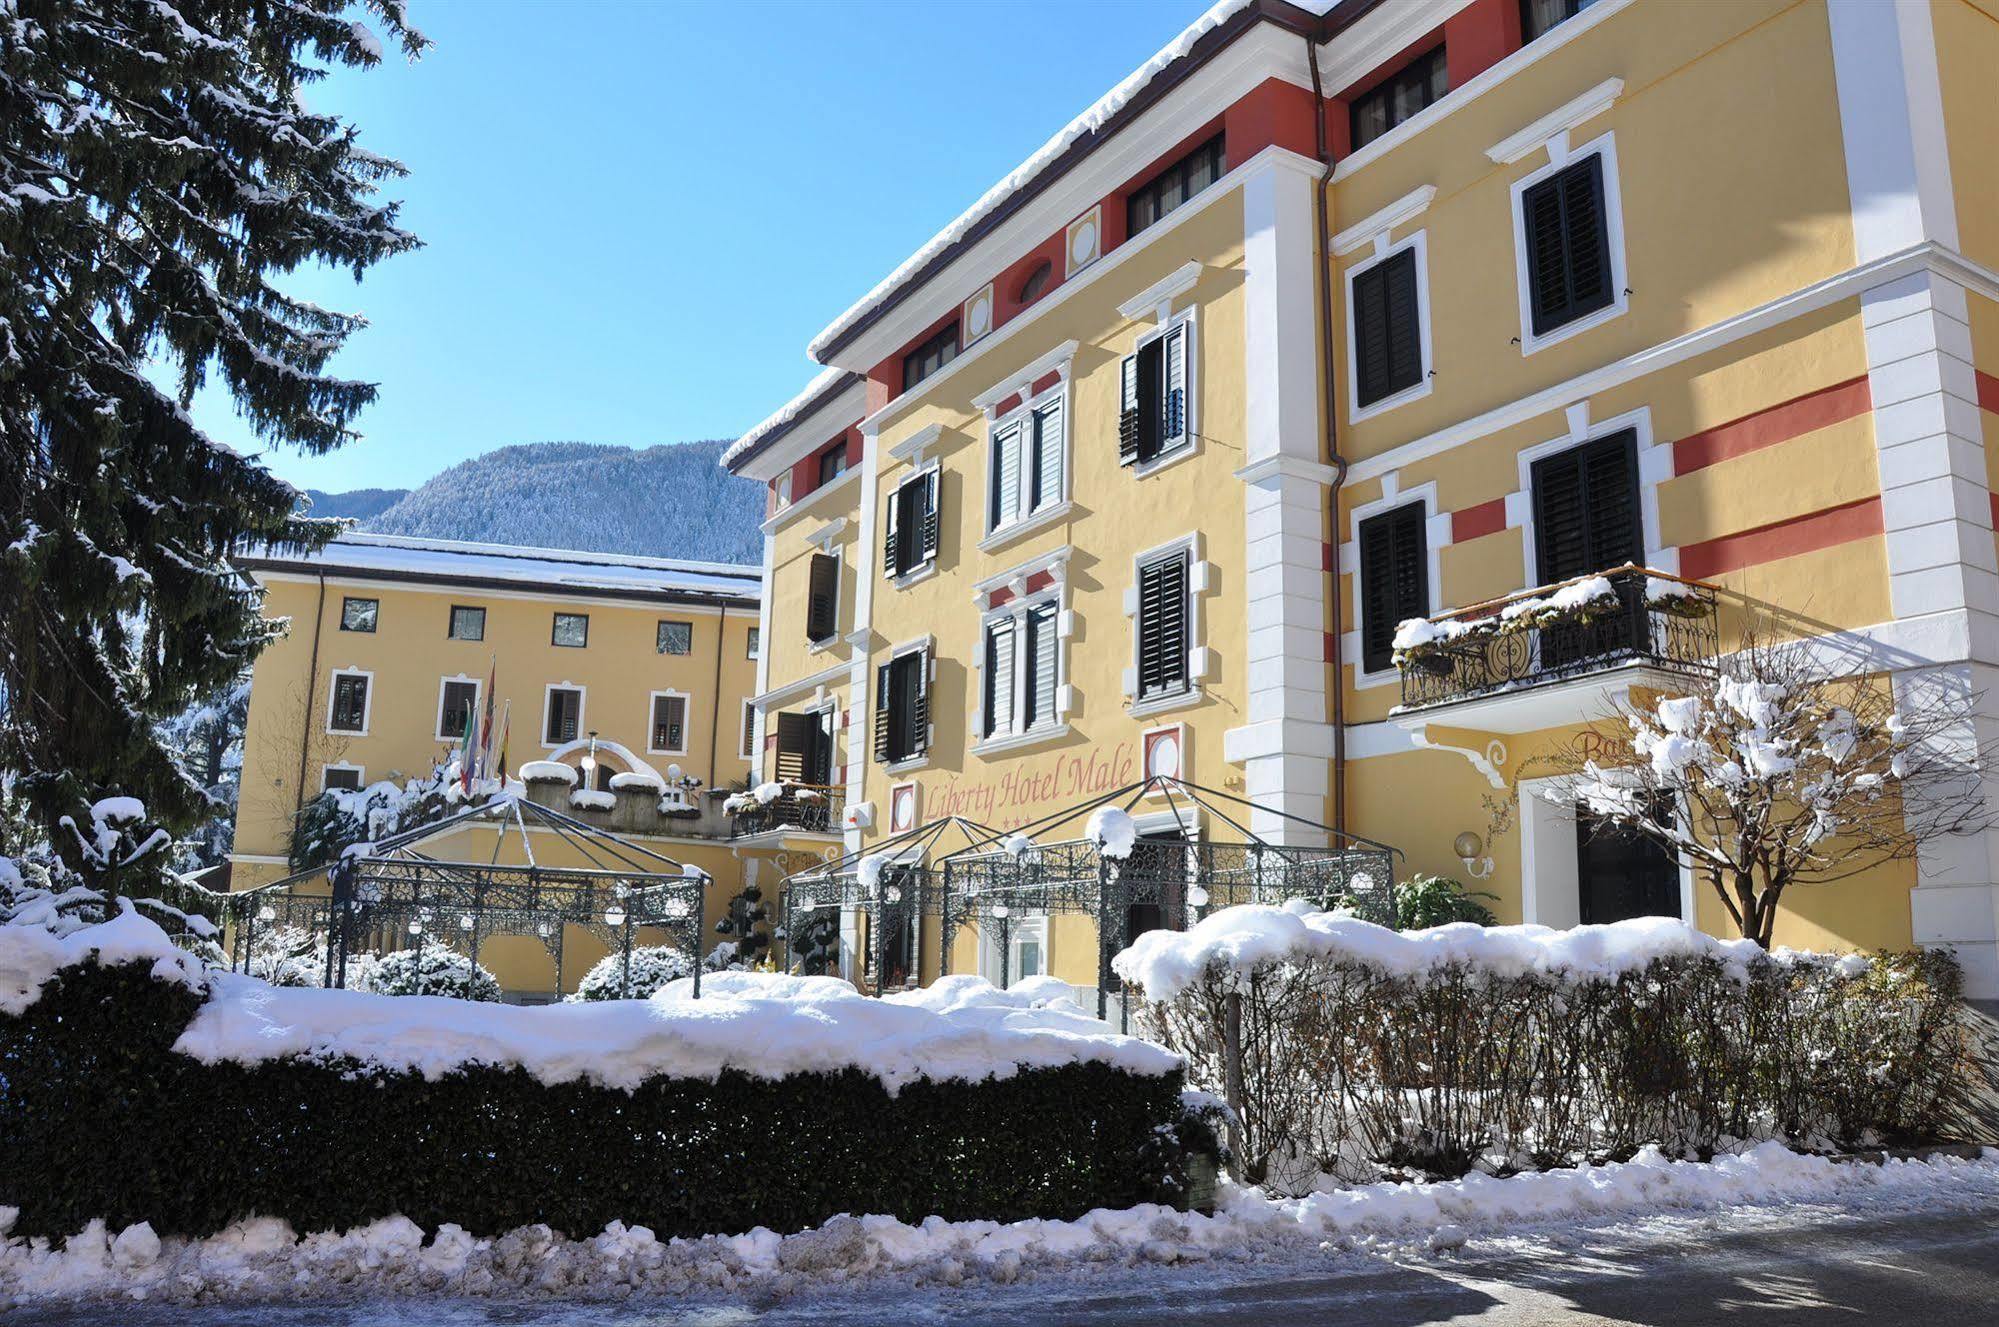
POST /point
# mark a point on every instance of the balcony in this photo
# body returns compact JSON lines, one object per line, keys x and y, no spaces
{"x":807,"y":808}
{"x":1537,"y":658}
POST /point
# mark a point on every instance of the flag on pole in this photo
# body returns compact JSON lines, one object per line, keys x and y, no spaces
{"x":500,"y":766}
{"x":465,"y":747}
{"x":483,"y":758}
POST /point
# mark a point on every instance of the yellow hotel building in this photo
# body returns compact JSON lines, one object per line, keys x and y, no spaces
{"x":1332,"y":316}
{"x":635,"y":663}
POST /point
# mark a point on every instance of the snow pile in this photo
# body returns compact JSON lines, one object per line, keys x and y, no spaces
{"x":31,"y":955}
{"x":548,"y":771}
{"x":1240,"y":939}
{"x":264,"y":1260}
{"x":642,"y":780}
{"x":1113,"y":831}
{"x":589,"y":799}
{"x":763,"y":1024}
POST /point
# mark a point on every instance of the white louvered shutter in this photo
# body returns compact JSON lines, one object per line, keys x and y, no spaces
{"x":1047,"y":455}
{"x":1041,"y":666}
{"x":999,"y":677}
{"x":1173,"y":399}
{"x":1006,"y":474}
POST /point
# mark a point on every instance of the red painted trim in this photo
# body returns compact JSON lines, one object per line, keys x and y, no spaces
{"x":998,"y":597}
{"x":1010,"y":403}
{"x":1329,"y":555}
{"x":1479,"y":36}
{"x":1040,"y":581}
{"x":1988,"y":391}
{"x":1468,"y":523}
{"x":1044,"y":382}
{"x":1783,"y":539}
{"x":1766,"y":428}
{"x":1332,"y":647}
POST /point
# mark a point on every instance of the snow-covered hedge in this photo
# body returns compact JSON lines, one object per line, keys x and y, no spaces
{"x":650,"y":967}
{"x":772,"y":1101}
{"x":1508,"y":1048}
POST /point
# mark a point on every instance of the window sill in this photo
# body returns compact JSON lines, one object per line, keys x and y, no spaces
{"x":1006,"y":534}
{"x":1152,"y":467}
{"x":1388,"y":403}
{"x":654,"y":751}
{"x":1588,"y":322}
{"x":353,"y":732}
{"x":917,"y":577}
{"x":907,"y":763}
{"x":821,"y":646}
{"x":1174,"y":700}
{"x":1364,"y":680}
{"x":993,"y":746}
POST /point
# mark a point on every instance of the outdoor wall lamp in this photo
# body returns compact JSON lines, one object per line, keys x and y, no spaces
{"x":1468,"y":846}
{"x":589,"y":762}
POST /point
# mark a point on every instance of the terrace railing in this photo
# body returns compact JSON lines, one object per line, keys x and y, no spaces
{"x":1630,"y":615}
{"x":809,"y":807}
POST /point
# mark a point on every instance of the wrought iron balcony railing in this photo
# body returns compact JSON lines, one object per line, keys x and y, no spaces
{"x":1630,"y":615}
{"x":813,"y":808}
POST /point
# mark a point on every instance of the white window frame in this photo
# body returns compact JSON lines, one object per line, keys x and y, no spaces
{"x":1435,"y":534}
{"x":927,"y":647}
{"x":367,"y":704}
{"x":1560,"y":158}
{"x":1383,"y":251}
{"x":1200,"y":581}
{"x":753,"y":643}
{"x":1034,"y":923}
{"x":1191,"y":352}
{"x":927,"y":566}
{"x":1050,"y":510}
{"x":1057,"y":725}
{"x":746,"y":743}
{"x":443,"y":683}
{"x":822,"y":542}
{"x":1655,"y":466}
{"x":686,"y":722}
{"x":582,"y":712}
{"x":360,"y":774}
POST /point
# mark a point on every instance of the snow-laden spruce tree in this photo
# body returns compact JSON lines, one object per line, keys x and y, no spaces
{"x":207,"y":740}
{"x":1778,"y":770}
{"x":160,"y":167}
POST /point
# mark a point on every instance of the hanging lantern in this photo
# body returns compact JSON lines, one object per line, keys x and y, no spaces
{"x":267,"y":913}
{"x":465,"y":921}
{"x":893,"y":894}
{"x":1001,"y":911}
{"x":416,"y":926}
{"x":1198,"y":897}
{"x":542,"y":930}
{"x":614,"y":915}
{"x":676,"y":909}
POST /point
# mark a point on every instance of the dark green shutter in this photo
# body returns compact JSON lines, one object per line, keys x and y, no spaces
{"x":1586,"y":512}
{"x":1162,"y":626}
{"x":1394,"y":580}
{"x":1568,"y":245}
{"x":822,"y":608}
{"x":1388,"y":336}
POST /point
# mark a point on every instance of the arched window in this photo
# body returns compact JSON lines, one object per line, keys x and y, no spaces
{"x":1037,"y":281}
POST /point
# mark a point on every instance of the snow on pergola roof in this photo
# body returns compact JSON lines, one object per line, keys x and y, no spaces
{"x":555,"y":569}
{"x":1089,"y":122}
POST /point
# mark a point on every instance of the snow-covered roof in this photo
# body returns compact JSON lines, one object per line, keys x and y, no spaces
{"x":1089,"y":122}
{"x":823,"y":385}
{"x":558,"y":570}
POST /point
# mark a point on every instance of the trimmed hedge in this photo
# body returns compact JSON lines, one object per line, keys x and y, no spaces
{"x":1352,"y":1071}
{"x":103,"y":1119}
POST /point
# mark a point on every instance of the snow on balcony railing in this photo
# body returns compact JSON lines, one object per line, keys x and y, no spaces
{"x":1630,"y":614}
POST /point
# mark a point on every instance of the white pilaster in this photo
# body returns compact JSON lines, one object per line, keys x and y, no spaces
{"x":1285,"y":745}
{"x":1936,"y":505}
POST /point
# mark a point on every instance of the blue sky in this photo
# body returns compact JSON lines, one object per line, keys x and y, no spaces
{"x":638,"y":214}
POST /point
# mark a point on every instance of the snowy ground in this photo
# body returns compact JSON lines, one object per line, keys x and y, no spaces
{"x":1768,"y":1231}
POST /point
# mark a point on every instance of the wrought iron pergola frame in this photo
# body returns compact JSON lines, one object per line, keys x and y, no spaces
{"x":396,"y":892}
{"x":837,"y":884}
{"x":1002,"y":874}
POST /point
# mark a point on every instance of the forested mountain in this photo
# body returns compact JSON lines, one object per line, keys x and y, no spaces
{"x":360,"y":503}
{"x":671,"y":501}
